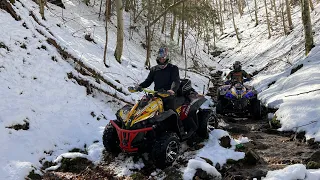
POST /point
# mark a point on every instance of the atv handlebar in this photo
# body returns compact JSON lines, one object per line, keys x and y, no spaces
{"x":160,"y":93}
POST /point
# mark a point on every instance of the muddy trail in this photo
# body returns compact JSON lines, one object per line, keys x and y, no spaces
{"x":267,"y":150}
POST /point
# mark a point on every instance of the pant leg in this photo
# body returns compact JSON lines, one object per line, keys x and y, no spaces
{"x":169,"y":103}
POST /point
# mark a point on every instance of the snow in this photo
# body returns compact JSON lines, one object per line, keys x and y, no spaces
{"x":35,"y":87}
{"x":193,"y":165}
{"x":216,"y":153}
{"x":296,"y":171}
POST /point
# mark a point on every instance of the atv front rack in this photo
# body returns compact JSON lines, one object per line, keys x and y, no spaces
{"x":126,"y":136}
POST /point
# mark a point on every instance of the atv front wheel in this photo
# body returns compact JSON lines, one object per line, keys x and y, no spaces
{"x":165,"y":149}
{"x":204,"y":118}
{"x":219,"y":107}
{"x":110,"y":139}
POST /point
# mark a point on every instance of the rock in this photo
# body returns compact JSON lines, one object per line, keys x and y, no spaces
{"x":258,"y":174}
{"x":225,"y":141}
{"x":315,"y":157}
{"x":251,"y":157}
{"x":75,"y":165}
{"x":137,"y":176}
{"x":218,"y":166}
{"x":313,"y":165}
{"x":203,"y":175}
{"x":207,"y":160}
{"x":172,"y":173}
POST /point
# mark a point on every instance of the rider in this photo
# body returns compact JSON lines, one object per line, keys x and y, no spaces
{"x":166,"y":77}
{"x":238,"y":74}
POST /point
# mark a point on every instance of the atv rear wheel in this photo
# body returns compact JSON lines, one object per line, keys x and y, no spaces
{"x":204,"y":118}
{"x":110,"y":139}
{"x":219,"y":107}
{"x":256,"y":109}
{"x":165,"y":150}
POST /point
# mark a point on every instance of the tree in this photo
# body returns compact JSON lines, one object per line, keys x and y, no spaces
{"x":306,"y":20}
{"x":119,"y":47}
{"x":289,"y":15}
{"x":268,"y":21}
{"x":41,"y":5}
{"x":283,"y":20}
{"x":256,"y":12}
{"x":106,"y":28}
{"x":234,"y":23}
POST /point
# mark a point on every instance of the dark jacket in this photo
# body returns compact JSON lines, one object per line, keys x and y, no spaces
{"x":238,"y":75}
{"x":167,"y":78}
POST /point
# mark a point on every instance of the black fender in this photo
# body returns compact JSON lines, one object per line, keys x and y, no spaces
{"x":196,"y":104}
{"x":168,"y":120}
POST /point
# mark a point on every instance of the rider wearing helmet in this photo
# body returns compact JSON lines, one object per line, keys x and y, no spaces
{"x":165,"y":77}
{"x":238,"y":74}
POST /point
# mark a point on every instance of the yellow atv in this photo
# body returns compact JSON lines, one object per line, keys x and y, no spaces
{"x":146,"y":127}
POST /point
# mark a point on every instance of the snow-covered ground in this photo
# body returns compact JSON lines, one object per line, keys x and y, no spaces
{"x":35,"y":87}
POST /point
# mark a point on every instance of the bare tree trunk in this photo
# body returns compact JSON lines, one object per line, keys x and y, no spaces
{"x":289,"y":15}
{"x":221,"y":18}
{"x":173,"y":26}
{"x":256,"y":12}
{"x":41,"y":5}
{"x":148,"y":36}
{"x":239,"y":7}
{"x":306,"y":20}
{"x":109,"y":10}
{"x":164,"y":23}
{"x":128,"y":5}
{"x":268,"y":22}
{"x":311,"y":5}
{"x":283,"y":20}
{"x":101,"y":8}
{"x":234,"y":23}
{"x":119,"y":47}
{"x":275,"y":10}
{"x":224,"y":6}
{"x":106,"y":44}
{"x":183,"y":33}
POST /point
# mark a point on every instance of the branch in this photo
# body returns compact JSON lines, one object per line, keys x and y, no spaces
{"x":303,"y":93}
{"x":165,"y":11}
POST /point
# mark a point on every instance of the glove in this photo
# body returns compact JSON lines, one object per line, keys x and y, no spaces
{"x":138,"y":88}
{"x":171,"y":92}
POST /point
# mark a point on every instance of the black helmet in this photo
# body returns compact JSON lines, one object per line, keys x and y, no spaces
{"x":237,"y":66}
{"x":163,"y":53}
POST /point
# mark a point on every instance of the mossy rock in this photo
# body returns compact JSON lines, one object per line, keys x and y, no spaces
{"x":34,"y":176}
{"x":138,"y":176}
{"x":172,"y":173}
{"x":275,"y":123}
{"x":75,"y":165}
{"x":313,"y":165}
{"x":48,"y":164}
